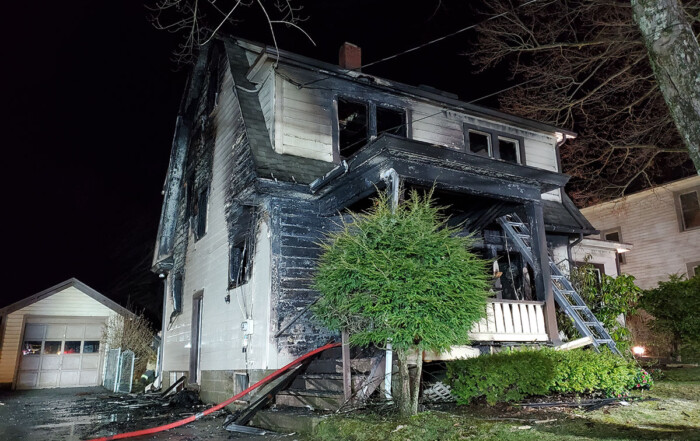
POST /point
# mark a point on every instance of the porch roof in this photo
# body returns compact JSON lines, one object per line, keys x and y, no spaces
{"x":425,"y":164}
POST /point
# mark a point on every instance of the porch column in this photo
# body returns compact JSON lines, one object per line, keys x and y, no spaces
{"x":543,"y":275}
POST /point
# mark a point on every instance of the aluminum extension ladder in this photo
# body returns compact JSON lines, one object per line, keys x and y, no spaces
{"x":564,"y":293}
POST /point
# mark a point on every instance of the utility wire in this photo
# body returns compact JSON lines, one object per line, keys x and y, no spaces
{"x":421,"y":46}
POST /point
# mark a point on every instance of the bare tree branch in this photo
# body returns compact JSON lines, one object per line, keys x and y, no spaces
{"x":200,"y":21}
{"x":582,"y":65}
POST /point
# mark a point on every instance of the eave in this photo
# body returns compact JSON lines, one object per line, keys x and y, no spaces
{"x":425,"y":164}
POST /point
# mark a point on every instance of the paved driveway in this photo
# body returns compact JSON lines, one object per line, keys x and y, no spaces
{"x":83,"y":413}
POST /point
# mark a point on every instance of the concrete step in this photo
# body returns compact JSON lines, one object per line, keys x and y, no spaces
{"x":287,"y":420}
{"x":318,"y":400}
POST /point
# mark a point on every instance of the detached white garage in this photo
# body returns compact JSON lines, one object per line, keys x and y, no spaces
{"x":54,"y":338}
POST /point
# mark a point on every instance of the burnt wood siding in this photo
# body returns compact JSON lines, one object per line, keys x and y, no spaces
{"x":296,"y":232}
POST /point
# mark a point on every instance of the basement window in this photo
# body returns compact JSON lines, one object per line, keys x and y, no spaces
{"x":353,"y":124}
{"x":391,"y":121}
{"x":689,"y":210}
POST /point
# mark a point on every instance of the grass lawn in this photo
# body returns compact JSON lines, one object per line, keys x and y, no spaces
{"x":675,"y":416}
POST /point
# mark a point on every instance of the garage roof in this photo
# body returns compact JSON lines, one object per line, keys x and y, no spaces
{"x":72,"y":282}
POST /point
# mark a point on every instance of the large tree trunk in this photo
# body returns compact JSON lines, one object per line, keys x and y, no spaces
{"x":403,"y":398}
{"x":407,"y":397}
{"x":675,"y":57}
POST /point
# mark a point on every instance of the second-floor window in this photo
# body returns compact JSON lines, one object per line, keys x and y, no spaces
{"x":359,"y":120}
{"x":689,"y":209}
{"x":494,"y":144}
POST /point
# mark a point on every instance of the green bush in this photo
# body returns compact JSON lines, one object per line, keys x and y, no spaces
{"x":608,"y":297}
{"x":675,"y":305}
{"x":513,"y":375}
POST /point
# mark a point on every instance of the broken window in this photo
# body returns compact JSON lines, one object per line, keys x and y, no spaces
{"x":31,"y":348}
{"x":353,"y":125}
{"x":479,"y":143}
{"x":91,"y":347}
{"x":615,"y":236}
{"x":71,"y":347}
{"x":391,"y":121}
{"x":509,"y":150}
{"x":177,"y":294}
{"x":243,"y":241}
{"x":238,"y":268}
{"x":690,"y":210}
{"x":52,"y":347}
{"x":201,"y":213}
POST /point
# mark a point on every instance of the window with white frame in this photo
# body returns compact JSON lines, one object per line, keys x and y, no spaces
{"x":493,"y":144}
{"x":689,"y":209}
{"x":358,"y":120}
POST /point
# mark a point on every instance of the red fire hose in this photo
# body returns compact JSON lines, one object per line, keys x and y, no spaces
{"x":192,"y":418}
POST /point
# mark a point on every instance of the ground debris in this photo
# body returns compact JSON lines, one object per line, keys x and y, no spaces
{"x":185,"y":398}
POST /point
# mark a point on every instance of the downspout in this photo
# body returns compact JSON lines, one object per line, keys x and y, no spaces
{"x":159,"y":370}
{"x":568,"y":250}
{"x":392,"y":181}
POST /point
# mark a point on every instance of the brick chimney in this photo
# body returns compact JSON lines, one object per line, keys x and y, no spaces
{"x":350,"y":56}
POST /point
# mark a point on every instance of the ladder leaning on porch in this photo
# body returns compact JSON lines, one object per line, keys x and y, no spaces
{"x":564,"y":293}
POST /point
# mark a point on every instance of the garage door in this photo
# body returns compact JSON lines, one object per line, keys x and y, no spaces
{"x":65,"y":354}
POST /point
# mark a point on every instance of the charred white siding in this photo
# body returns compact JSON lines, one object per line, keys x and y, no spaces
{"x":70,"y":302}
{"x":206,"y":269}
{"x":649,"y":221}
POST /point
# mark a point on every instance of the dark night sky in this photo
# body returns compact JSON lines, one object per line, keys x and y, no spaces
{"x":89,"y":103}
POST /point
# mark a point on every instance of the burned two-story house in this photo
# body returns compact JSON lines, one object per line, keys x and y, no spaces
{"x":272,"y":148}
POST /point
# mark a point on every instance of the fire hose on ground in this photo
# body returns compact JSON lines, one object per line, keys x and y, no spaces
{"x":219,"y":406}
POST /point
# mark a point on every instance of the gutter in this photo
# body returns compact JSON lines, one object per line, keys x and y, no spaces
{"x":336,"y":172}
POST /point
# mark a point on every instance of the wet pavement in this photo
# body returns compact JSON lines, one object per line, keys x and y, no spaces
{"x":84,"y":413}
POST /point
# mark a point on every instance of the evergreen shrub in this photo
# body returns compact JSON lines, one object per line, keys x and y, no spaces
{"x":513,"y":375}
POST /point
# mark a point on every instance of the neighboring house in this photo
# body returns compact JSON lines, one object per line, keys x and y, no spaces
{"x":53,"y":338}
{"x":270,"y":149}
{"x":663,"y":224}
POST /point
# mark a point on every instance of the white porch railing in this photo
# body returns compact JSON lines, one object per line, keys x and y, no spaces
{"x":511,"y":320}
{"x":506,"y":321}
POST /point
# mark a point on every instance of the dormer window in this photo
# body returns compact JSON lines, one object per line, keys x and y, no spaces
{"x":509,"y":150}
{"x":391,"y":121}
{"x":360,"y":120}
{"x":353,"y":126}
{"x":492,"y":144}
{"x":479,"y":143}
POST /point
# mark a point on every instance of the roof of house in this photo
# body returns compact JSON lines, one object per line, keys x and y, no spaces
{"x":565,"y":217}
{"x":673,"y":186}
{"x":332,"y":70}
{"x":268,"y":163}
{"x":72,"y":282}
